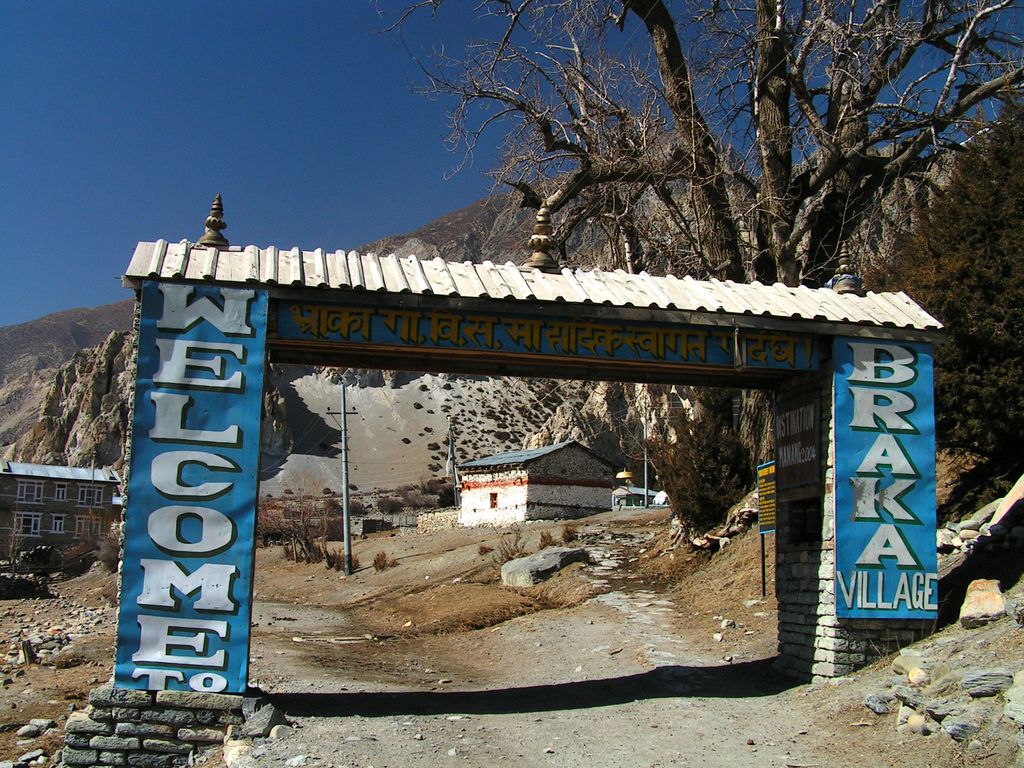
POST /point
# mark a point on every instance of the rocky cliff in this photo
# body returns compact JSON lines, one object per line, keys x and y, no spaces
{"x":84,"y":414}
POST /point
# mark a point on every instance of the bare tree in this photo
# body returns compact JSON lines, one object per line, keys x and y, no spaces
{"x":721,"y":137}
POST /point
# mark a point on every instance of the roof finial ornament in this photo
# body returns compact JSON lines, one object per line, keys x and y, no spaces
{"x":212,"y":237}
{"x":846,"y":282}
{"x":541,"y":242}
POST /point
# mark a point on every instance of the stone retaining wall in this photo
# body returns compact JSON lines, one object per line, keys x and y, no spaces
{"x":149,"y":729}
{"x":442,"y":520}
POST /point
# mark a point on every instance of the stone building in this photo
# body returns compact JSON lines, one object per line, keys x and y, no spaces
{"x":53,"y":505}
{"x":560,"y":481}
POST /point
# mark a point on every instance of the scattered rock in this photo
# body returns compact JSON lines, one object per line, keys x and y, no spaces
{"x":910,"y":698}
{"x":1015,"y":608}
{"x":879,"y":702}
{"x":917,"y":723}
{"x":984,"y":603}
{"x":28,"y":731}
{"x":987,"y":682}
{"x":1014,"y":698}
{"x":918,"y":677}
{"x":903,"y":715}
{"x":907,"y":659}
{"x":295,"y":762}
{"x":939,"y":710}
{"x":260,"y":722}
{"x":960,"y":729}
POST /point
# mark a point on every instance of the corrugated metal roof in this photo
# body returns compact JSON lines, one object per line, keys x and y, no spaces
{"x":51,"y":471}
{"x":273,"y":267}
{"x":517,"y":457}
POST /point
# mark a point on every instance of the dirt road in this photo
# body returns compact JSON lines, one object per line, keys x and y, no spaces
{"x":640,"y":659}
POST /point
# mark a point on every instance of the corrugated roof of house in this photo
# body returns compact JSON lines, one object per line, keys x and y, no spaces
{"x":511,"y":458}
{"x":54,"y":472}
{"x":716,"y":300}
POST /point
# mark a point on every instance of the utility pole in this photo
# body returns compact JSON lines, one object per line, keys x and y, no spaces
{"x":345,"y":506}
{"x":647,"y":490}
{"x":452,"y":468}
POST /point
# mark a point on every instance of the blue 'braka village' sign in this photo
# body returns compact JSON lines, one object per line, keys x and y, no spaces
{"x":885,"y":480}
{"x":186,"y":586}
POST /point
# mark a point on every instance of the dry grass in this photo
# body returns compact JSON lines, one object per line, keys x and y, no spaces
{"x":546,"y":540}
{"x":510,"y":546}
{"x":483,"y":549}
{"x":569,"y":533}
{"x":381,"y":561}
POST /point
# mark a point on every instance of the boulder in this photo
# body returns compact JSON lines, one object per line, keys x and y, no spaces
{"x":946,"y":540}
{"x":260,"y":723}
{"x":979,"y":518}
{"x":1008,"y":502}
{"x":532,"y":569}
{"x":984,"y":603}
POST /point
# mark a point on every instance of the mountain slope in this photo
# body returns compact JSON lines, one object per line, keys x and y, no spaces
{"x":32,"y":352}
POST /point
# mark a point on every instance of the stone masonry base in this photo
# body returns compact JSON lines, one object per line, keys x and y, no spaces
{"x":148,"y":729}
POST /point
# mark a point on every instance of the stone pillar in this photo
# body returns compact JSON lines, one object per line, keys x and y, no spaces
{"x":813,"y":642}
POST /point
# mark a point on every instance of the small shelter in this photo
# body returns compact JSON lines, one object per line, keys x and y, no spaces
{"x":633,"y":496}
{"x":561,"y":481}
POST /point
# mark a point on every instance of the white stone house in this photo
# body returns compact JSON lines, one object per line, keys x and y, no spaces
{"x":561,"y":481}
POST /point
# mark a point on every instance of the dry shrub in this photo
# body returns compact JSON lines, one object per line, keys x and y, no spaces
{"x":546,"y":540}
{"x":389,"y":504}
{"x":570,"y":533}
{"x":355,"y":563}
{"x":483,"y":549}
{"x":335,"y":559}
{"x":416,"y":499}
{"x":109,"y":552}
{"x":381,"y":561}
{"x":510,"y":546}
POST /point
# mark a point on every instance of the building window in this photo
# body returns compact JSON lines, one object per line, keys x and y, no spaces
{"x":30,"y":491}
{"x":90,"y":495}
{"x":27,"y":523}
{"x":494,"y":500}
{"x":96,"y":526}
{"x":81,"y":526}
{"x":56,"y":523}
{"x":60,"y":492}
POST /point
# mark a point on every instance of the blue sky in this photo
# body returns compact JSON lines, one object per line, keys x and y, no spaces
{"x":121,"y":121}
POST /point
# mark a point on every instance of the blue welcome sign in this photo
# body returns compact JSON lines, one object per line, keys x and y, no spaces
{"x":186,"y":584}
{"x":884,"y":431}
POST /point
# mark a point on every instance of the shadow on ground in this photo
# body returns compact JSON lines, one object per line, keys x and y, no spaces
{"x":746,"y":680}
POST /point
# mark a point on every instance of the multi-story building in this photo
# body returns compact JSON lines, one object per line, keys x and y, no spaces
{"x":57,"y":506}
